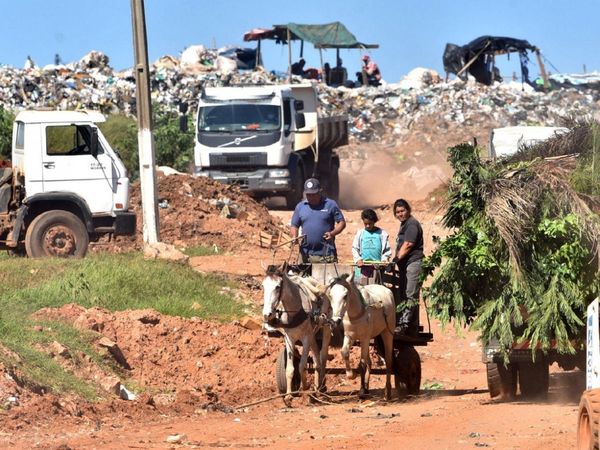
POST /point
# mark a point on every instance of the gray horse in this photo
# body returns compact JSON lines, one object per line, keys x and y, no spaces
{"x":366,"y":312}
{"x":288,"y":306}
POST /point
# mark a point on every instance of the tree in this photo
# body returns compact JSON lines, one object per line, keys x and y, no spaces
{"x":6,"y":122}
{"x":173,"y":147}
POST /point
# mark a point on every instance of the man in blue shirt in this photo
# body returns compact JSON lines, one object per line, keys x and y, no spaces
{"x":321,"y":220}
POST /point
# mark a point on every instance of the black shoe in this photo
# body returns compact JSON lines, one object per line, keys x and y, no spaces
{"x":404,"y":329}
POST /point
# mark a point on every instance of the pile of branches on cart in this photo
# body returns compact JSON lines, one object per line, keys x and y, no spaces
{"x":522,"y":260}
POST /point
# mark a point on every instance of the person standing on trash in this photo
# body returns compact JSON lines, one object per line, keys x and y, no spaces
{"x":321,"y":220}
{"x":370,"y":244}
{"x":371,"y":69}
{"x":408,"y":258}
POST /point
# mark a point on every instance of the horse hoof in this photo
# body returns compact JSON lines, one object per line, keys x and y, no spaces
{"x":288,"y":401}
{"x":351,"y":375}
{"x":322,"y":388}
{"x":363,"y":393}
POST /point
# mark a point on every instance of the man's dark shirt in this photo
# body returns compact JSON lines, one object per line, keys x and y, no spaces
{"x":411,"y":231}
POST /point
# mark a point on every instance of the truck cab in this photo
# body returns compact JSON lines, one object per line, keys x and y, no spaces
{"x":245,"y":136}
{"x":65,"y":186}
{"x":265,"y":138}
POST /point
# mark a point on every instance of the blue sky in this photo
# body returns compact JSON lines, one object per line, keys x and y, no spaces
{"x":410,"y":33}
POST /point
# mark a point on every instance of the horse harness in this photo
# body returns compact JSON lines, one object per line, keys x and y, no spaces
{"x":299,"y":316}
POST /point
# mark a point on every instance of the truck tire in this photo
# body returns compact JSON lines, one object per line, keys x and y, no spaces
{"x":588,"y":426}
{"x":280,"y":376}
{"x":502,"y":381}
{"x":295,"y":195}
{"x":56,"y":233}
{"x":534,"y":378}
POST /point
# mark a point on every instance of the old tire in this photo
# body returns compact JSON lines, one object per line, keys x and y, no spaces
{"x":588,"y":421}
{"x":280,"y":376}
{"x":407,"y":371}
{"x":56,"y":233}
{"x":534,"y":378}
{"x":502,"y":381}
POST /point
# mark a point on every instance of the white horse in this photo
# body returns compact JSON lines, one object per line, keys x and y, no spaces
{"x":366,"y":312}
{"x":288,"y":307}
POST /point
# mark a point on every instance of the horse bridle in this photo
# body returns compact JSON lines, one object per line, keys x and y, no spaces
{"x":298,"y":317}
{"x":349,"y":288}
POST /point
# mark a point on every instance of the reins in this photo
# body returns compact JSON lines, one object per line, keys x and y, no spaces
{"x":347,"y":285}
{"x":298,"y":317}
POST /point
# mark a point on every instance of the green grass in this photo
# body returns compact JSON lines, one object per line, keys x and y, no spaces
{"x":202,"y":251}
{"x":114,"y":282}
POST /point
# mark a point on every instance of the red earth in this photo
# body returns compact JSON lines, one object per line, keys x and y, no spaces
{"x":197,"y":381}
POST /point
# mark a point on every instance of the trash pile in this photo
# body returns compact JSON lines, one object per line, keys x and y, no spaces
{"x":197,"y":211}
{"x":389,"y":113}
{"x":385,"y":113}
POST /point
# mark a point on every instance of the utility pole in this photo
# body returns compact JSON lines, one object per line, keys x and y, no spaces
{"x":144,"y":116}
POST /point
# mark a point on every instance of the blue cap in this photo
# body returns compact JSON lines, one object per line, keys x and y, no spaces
{"x":312,"y":186}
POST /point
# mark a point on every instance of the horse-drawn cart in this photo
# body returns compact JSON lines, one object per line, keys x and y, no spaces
{"x":406,"y":363}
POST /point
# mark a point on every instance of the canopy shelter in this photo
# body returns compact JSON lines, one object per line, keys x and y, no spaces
{"x":478,"y":58}
{"x":329,"y":35}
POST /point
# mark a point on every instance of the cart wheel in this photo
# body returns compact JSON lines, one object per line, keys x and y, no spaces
{"x":587,"y":424}
{"x":280,"y":376}
{"x":534,"y":378}
{"x":407,"y":370}
{"x":502,"y":381}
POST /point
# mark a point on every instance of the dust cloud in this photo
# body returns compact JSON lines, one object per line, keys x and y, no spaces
{"x":381,"y":175}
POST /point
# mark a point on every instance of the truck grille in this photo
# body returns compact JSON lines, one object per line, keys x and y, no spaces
{"x":238,"y":159}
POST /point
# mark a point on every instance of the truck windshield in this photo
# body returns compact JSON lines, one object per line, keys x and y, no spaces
{"x":238,"y":117}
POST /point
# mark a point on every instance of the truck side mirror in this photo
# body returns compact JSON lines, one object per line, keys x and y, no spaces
{"x":94,"y":141}
{"x":298,"y":105}
{"x":300,"y":121}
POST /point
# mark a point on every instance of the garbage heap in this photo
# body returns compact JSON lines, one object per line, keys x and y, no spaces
{"x":390,"y":113}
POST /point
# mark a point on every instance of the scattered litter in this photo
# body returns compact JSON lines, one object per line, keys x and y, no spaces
{"x":126,"y":394}
{"x":176,"y":438}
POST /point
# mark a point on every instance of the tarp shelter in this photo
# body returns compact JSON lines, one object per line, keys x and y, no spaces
{"x":329,"y":35}
{"x":478,"y":58}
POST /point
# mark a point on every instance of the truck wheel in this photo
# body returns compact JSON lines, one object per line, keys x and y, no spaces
{"x":407,"y":370}
{"x":295,"y":195}
{"x":534,"y":378}
{"x":334,"y":180}
{"x":502,"y":381}
{"x":56,"y":233}
{"x":588,"y":421}
{"x":280,"y":376}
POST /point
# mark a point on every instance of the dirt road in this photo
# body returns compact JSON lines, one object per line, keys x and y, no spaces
{"x":453,"y":412}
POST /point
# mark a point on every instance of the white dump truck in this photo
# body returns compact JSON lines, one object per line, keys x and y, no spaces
{"x":63,"y":187}
{"x":268,"y":140}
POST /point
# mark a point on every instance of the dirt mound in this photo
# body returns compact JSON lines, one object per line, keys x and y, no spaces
{"x":227,"y":363}
{"x":196,"y":211}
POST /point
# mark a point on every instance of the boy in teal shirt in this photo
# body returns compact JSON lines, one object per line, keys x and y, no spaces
{"x":370,"y":244}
